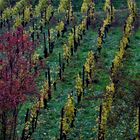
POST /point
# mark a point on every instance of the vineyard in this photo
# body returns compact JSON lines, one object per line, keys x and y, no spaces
{"x":69,"y":70}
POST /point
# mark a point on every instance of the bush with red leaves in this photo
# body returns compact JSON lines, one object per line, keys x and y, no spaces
{"x":17,"y":77}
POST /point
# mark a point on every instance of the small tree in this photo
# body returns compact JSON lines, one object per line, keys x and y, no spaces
{"x":17,"y":78}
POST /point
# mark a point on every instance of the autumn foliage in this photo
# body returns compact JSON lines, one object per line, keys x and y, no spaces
{"x":17,"y":76}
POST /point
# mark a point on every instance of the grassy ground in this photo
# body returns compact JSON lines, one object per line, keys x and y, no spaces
{"x":86,"y":124}
{"x":52,"y":114}
{"x":122,"y":117}
{"x":86,"y":121}
{"x":124,"y":106}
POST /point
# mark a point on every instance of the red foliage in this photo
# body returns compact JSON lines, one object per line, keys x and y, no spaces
{"x":17,"y":77}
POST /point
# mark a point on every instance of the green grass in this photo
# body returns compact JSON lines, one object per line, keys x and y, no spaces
{"x":124,"y":106}
{"x":86,"y":126}
{"x":52,"y":115}
{"x":122,"y":118}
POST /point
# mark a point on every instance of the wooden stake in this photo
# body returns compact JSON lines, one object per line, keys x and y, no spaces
{"x":49,"y":78}
{"x":139,"y":122}
{"x":100,"y":131}
{"x":49,"y":40}
{"x":60,"y":67}
{"x":45,"y":48}
{"x":61,"y":127}
{"x":83,"y":78}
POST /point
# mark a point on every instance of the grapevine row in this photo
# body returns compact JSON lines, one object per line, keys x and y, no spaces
{"x":117,"y":63}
